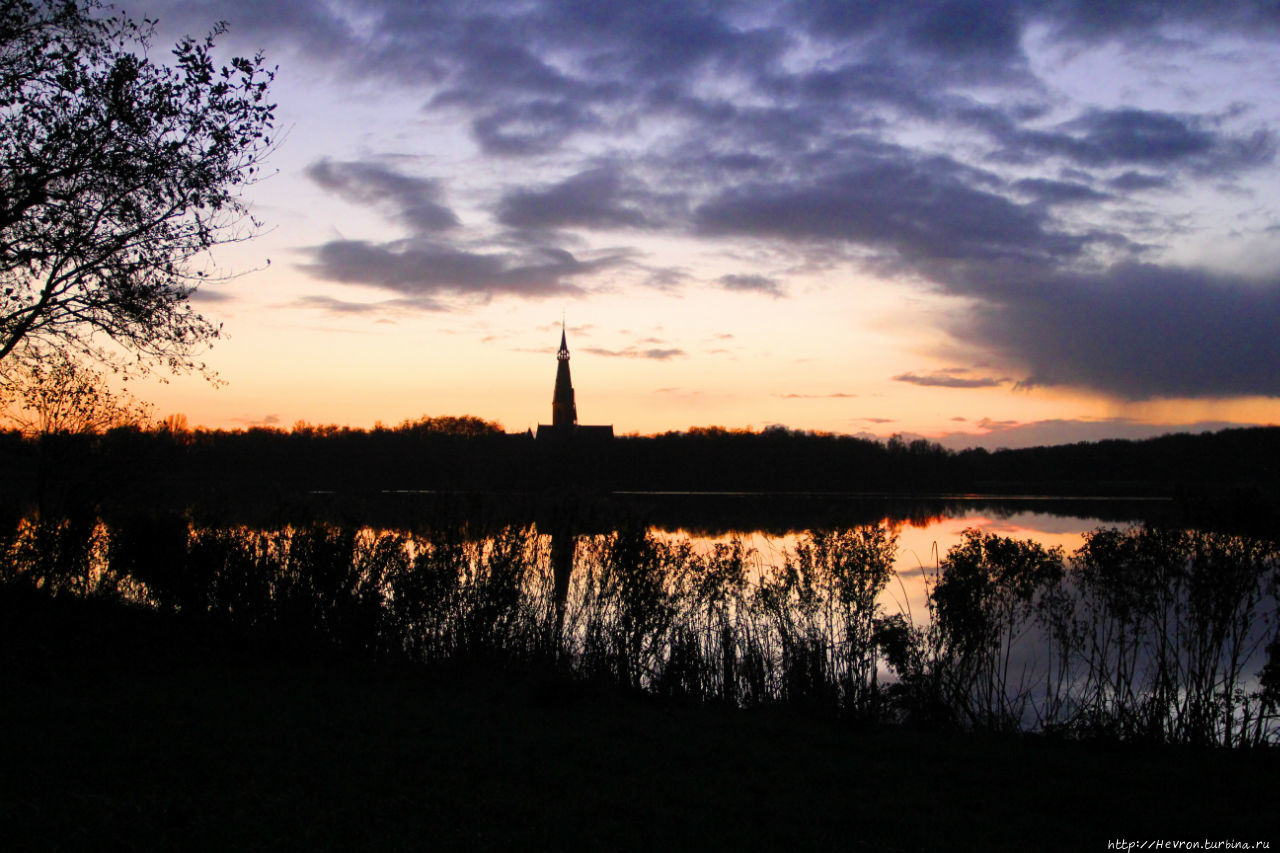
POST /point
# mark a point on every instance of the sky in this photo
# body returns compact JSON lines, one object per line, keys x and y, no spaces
{"x":992,"y":223}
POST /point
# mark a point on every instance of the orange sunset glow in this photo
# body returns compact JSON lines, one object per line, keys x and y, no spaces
{"x":1056,"y":235}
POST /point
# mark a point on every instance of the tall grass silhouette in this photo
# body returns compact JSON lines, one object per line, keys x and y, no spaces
{"x":1142,"y":634}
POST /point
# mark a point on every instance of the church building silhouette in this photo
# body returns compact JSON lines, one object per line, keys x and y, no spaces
{"x":564,"y":424}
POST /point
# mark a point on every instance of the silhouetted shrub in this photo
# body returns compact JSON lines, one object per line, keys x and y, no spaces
{"x":1171,"y":621}
{"x":60,"y":555}
{"x":987,"y":597}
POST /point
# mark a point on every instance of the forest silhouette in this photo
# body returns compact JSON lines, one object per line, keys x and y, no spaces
{"x":470,"y":454}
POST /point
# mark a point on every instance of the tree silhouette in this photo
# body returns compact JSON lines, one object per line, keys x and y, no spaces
{"x":58,"y":395}
{"x":466,"y":426}
{"x":116,"y":174}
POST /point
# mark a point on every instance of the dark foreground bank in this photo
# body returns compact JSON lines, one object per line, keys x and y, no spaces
{"x":122,"y":728}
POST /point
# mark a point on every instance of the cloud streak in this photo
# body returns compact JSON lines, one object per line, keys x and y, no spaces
{"x":1015,"y":434}
{"x":753,"y":284}
{"x":952,"y":377}
{"x":423,"y":268}
{"x":839,"y":395}
{"x":653,"y":353}
{"x":411,"y":200}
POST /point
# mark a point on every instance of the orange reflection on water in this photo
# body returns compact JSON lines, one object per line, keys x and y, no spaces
{"x":922,"y":543}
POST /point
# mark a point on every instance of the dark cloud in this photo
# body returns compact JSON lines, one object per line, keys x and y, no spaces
{"x":423,"y":268}
{"x":411,"y":200}
{"x":1137,"y":331}
{"x":888,"y":198}
{"x":210,"y":296}
{"x":984,"y":33}
{"x":534,"y":75}
{"x":532,"y":127}
{"x":664,"y":278}
{"x":592,"y":199}
{"x":953,"y":377}
{"x":494,"y":68}
{"x":1089,"y":21}
{"x":1134,"y":181}
{"x":341,"y":306}
{"x":872,"y":82}
{"x":1059,"y":192}
{"x":335,"y":306}
{"x":1139,"y":137}
{"x":753,"y":284}
{"x":491,"y":44}
{"x":987,"y":30}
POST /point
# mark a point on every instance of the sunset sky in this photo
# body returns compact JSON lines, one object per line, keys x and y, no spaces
{"x":997,"y":223}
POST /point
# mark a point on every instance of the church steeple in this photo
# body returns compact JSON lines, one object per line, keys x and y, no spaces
{"x":564,"y":431}
{"x":564,"y":412}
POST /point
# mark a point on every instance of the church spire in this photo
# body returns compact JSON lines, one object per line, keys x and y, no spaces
{"x":564,"y":431}
{"x":564,"y":412}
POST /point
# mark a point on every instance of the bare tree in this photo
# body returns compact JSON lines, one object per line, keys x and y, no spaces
{"x":116,"y":174}
{"x":57,"y":395}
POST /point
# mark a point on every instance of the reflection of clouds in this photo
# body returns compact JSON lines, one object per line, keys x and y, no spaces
{"x":1047,"y":528}
{"x":1029,"y":523}
{"x":922,"y":543}
{"x":920,"y":547}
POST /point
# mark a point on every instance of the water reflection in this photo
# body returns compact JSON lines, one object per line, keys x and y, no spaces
{"x":564,"y":544}
{"x":922,"y":540}
{"x":969,"y":614}
{"x":696,"y":514}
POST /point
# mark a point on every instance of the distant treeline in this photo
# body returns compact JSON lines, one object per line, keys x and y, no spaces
{"x":469,"y":454}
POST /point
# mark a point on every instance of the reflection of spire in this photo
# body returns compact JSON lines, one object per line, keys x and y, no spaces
{"x":563,"y":544}
{"x":564,"y":412}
